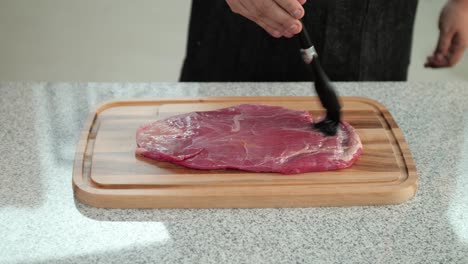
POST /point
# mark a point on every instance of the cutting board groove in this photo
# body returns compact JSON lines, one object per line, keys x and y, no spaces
{"x":108,"y":174}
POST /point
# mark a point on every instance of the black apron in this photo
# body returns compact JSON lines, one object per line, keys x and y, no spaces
{"x":357,"y":40}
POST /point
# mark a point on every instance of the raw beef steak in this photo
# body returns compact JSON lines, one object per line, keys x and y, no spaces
{"x":257,"y":138}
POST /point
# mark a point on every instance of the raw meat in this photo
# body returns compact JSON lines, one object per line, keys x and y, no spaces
{"x":258,"y":138}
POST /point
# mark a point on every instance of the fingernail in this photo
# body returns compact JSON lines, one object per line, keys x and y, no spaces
{"x":288,"y":34}
{"x":293,"y":28}
{"x":276,"y":34}
{"x":297,"y":13}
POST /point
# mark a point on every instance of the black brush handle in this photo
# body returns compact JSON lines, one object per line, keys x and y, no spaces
{"x":304,"y":38}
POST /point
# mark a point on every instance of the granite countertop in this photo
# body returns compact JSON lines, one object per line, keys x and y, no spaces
{"x":40,"y":221}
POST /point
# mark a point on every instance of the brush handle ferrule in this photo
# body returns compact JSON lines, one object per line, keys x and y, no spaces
{"x":308,"y":54}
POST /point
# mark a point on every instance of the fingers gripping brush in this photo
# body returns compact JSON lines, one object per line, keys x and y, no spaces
{"x":324,"y":88}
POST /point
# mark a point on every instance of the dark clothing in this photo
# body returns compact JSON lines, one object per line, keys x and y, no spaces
{"x":356,"y":40}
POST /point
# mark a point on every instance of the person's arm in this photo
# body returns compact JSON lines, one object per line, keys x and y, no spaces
{"x":453,"y":36}
{"x":280,"y":18}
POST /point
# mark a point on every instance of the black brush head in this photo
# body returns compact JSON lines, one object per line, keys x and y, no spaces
{"x":329,"y":126}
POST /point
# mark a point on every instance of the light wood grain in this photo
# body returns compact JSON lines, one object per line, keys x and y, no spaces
{"x":108,"y":174}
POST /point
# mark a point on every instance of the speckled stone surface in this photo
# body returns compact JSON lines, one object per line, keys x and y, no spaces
{"x":40,"y":222}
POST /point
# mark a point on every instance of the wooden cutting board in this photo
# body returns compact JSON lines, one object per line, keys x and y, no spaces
{"x":108,"y":174}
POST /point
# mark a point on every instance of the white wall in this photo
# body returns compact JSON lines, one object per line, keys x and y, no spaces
{"x":132,"y":40}
{"x":92,"y":40}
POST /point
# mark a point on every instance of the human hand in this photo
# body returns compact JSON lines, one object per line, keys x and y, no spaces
{"x":280,"y":18}
{"x":453,"y":36}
